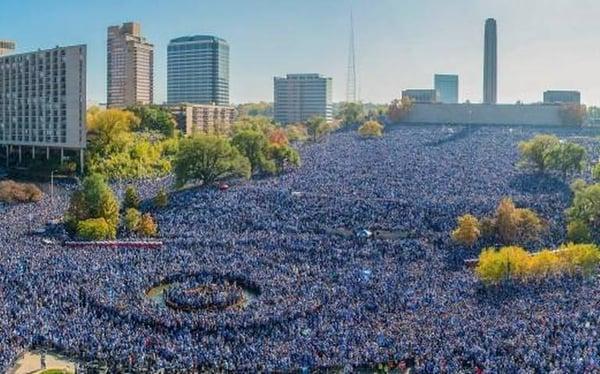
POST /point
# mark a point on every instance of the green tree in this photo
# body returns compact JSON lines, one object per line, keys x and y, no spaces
{"x":95,"y":199}
{"x":253,"y":145}
{"x":351,"y":113}
{"x":131,"y":220}
{"x":586,"y":207}
{"x":317,"y":127}
{"x":371,"y":129}
{"x":282,"y":156}
{"x":131,"y":199}
{"x":565,"y":158}
{"x":154,"y":118}
{"x":262,"y":124}
{"x":260,"y":109}
{"x":109,"y":131}
{"x":578,"y":232}
{"x":95,"y":229}
{"x":596,"y":172}
{"x":161,"y":199}
{"x":534,"y":151}
{"x":208,"y":158}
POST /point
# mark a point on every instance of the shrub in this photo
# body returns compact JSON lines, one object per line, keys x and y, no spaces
{"x":507,"y":263}
{"x":578,"y":232}
{"x":132,"y":198}
{"x":371,"y":129}
{"x":467,"y":231}
{"x":95,"y":229}
{"x":533,"y":152}
{"x":161,"y":199}
{"x":13,"y":192}
{"x":147,"y":227}
{"x":514,"y":263}
{"x":132,"y":219}
{"x":94,"y":200}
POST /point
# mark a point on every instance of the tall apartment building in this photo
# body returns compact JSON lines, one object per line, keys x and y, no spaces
{"x":130,"y":66}
{"x":210,"y":119}
{"x":446,"y":88}
{"x":43,"y":102}
{"x":198,"y":70}
{"x":490,"y":63}
{"x":299,"y":97}
{"x":421,"y":95}
{"x":562,"y":97}
{"x":6,"y":47}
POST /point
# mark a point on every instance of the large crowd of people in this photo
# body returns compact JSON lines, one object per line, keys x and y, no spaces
{"x":321,"y":299}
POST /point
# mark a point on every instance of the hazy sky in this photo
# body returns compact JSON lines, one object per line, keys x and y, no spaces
{"x":542,"y":44}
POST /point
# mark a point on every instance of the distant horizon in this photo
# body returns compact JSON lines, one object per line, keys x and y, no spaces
{"x":542,"y":46}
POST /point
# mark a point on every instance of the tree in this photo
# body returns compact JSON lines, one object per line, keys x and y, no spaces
{"x":505,"y":221}
{"x":467,"y":232}
{"x":351,"y":113}
{"x":297,"y":133}
{"x":398,"y":109}
{"x":573,"y":114}
{"x":94,"y":200}
{"x":581,"y":257}
{"x":596,"y":172}
{"x":208,"y":158}
{"x":533,"y":152}
{"x":161,"y":199}
{"x":565,"y":158}
{"x":578,"y":185}
{"x":131,"y":220}
{"x":317,"y":127}
{"x":253,"y":145}
{"x":132,"y":198}
{"x":545,"y":263}
{"x":278,"y":137}
{"x":147,"y":227}
{"x":371,"y":129}
{"x":283,"y":156}
{"x":95,"y":229}
{"x":514,"y":225}
{"x":260,"y":109}
{"x":507,"y":263}
{"x":578,"y":232}
{"x":262,"y":124}
{"x":586,"y":207}
{"x":154,"y":118}
{"x":109,"y":130}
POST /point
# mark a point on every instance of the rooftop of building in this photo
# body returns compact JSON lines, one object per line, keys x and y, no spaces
{"x":198,"y":38}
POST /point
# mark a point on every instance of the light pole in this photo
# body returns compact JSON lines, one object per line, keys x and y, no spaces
{"x":52,"y":186}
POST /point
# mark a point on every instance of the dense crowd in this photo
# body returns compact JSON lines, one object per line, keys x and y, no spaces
{"x":323,"y":299}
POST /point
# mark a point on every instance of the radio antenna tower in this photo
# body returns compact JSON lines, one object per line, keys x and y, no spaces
{"x":351,"y":86}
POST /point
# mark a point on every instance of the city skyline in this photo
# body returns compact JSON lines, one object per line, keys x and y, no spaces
{"x":270,"y":39}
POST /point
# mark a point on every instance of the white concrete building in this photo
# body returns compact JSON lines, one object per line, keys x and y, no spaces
{"x":43,"y":102}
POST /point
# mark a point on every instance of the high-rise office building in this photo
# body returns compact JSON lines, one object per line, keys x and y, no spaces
{"x":6,"y":47}
{"x":43,"y":101}
{"x":130,"y":66}
{"x":421,"y":95}
{"x":446,"y":88}
{"x":562,"y":97}
{"x":490,"y":63}
{"x":198,"y":70}
{"x":299,"y":97}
